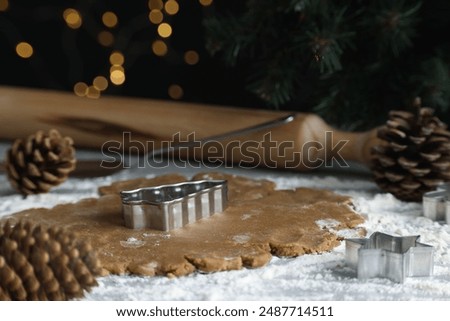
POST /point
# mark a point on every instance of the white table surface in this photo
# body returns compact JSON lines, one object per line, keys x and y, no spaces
{"x":308,"y":277}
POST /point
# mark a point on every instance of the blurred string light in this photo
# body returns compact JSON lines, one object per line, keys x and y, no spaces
{"x":191,"y":57}
{"x":155,"y":4}
{"x":105,"y":38}
{"x":80,"y":89}
{"x":4,"y":5}
{"x":171,"y":7}
{"x":24,"y":50}
{"x":109,"y":19}
{"x":155,"y":16}
{"x":99,"y":84}
{"x":164,"y":30}
{"x":93,"y":92}
{"x":175,"y":91}
{"x":117,"y":77}
{"x":159,"y":48}
{"x":73,"y":18}
{"x":205,"y":3}
{"x":159,"y":15}
{"x":117,"y":72}
{"x":116,"y":58}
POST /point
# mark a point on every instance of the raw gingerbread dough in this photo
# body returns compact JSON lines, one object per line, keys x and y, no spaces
{"x":259,"y":221}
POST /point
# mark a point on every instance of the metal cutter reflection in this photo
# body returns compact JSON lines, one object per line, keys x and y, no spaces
{"x":168,"y":207}
{"x":392,"y":257}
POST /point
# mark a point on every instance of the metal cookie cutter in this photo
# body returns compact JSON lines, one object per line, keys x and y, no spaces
{"x":392,"y":257}
{"x":168,"y":207}
{"x":436,"y":204}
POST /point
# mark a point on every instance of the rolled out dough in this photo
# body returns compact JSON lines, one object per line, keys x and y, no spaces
{"x":258,"y":223}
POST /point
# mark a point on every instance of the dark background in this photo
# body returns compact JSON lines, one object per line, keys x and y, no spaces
{"x":64,"y":56}
{"x":396,"y":51}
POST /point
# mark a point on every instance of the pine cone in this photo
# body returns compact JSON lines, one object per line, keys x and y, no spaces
{"x":415,"y":158}
{"x":44,"y":264}
{"x":40,"y":162}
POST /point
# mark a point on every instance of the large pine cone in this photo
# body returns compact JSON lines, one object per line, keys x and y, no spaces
{"x":44,"y":264}
{"x":415,"y":158}
{"x":40,"y":162}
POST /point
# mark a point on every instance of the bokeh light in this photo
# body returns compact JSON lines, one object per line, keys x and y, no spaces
{"x":24,"y":50}
{"x":155,"y":16}
{"x":175,"y":91}
{"x":191,"y":57}
{"x":159,"y":48}
{"x":80,"y":89}
{"x":116,"y":58}
{"x":109,"y":19}
{"x":93,"y":92}
{"x":4,"y":5}
{"x":164,"y":30}
{"x":105,"y":38}
{"x":171,"y":7}
{"x":100,"y":82}
{"x":155,"y":4}
{"x":117,"y":77}
{"x":116,"y":67}
{"x":205,"y":2}
{"x":73,"y":18}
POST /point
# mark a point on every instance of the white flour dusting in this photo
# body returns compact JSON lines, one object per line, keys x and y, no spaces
{"x":309,"y":277}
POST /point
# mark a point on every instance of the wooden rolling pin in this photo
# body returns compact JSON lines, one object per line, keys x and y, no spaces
{"x":301,"y":144}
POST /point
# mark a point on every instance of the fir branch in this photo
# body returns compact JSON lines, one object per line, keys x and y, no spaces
{"x":394,"y":23}
{"x":433,"y":83}
{"x":229,"y":38}
{"x":274,"y":83}
{"x":351,"y":61}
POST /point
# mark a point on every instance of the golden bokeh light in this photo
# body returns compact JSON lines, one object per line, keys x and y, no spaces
{"x":116,"y":67}
{"x":109,"y":19}
{"x":93,"y":92}
{"x":80,"y":89}
{"x":164,"y":30}
{"x":105,"y":38}
{"x":155,"y":16}
{"x":175,"y":91}
{"x":116,"y":58}
{"x":205,"y":3}
{"x":171,"y":7}
{"x":72,"y":18}
{"x":24,"y":50}
{"x":155,"y":4}
{"x":117,"y":77}
{"x":159,"y":48}
{"x":191,"y":57}
{"x":4,"y":5}
{"x":100,"y":83}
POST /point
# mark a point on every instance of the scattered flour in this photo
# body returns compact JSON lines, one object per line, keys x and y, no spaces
{"x":309,"y":277}
{"x":241,"y":238}
{"x":132,"y":243}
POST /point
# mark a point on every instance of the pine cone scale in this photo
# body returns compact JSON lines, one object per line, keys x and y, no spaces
{"x":33,"y":170}
{"x":12,"y":171}
{"x":431,"y":157}
{"x":407,"y":163}
{"x":397,"y":147}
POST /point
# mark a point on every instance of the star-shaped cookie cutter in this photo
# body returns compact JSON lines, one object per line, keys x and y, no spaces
{"x":436,"y":204}
{"x":392,"y":257}
{"x":168,"y":207}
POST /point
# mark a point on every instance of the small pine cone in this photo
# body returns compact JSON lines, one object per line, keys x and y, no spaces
{"x":40,"y":162}
{"x":44,"y":264}
{"x":415,"y":156}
